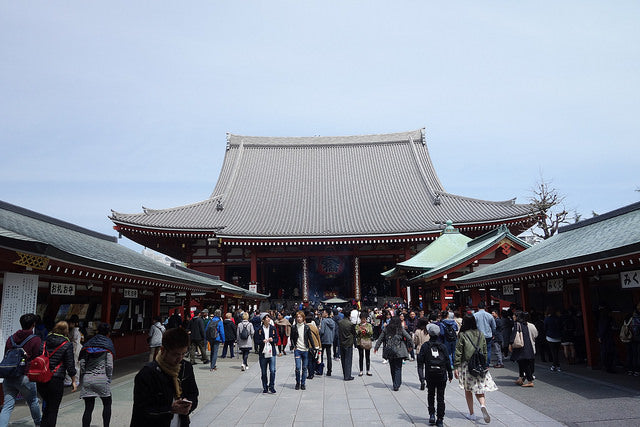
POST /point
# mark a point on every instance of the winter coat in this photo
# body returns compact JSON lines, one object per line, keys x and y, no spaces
{"x":395,"y":346}
{"x":327,"y":331}
{"x":153,"y":394}
{"x":363,"y":331}
{"x":96,"y":367}
{"x":33,"y":347}
{"x":64,"y":355}
{"x":293,"y":341}
{"x":220,"y":328}
{"x":248,"y":343}
{"x":196,"y":326}
{"x":259,"y":338}
{"x":155,"y":333}
{"x":346,"y":333}
{"x":553,"y":326}
{"x":230,"y":331}
{"x":529,"y":335}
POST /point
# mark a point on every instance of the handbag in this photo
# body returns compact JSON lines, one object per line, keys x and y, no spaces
{"x":518,"y":341}
{"x":366,"y":343}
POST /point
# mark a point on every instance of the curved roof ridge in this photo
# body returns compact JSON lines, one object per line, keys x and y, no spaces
{"x":473,"y":199}
{"x":423,"y":173}
{"x":324,"y":140}
{"x":147,"y":211}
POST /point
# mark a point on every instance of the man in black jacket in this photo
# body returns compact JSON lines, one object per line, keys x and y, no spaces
{"x":196,"y":329}
{"x":166,"y":388}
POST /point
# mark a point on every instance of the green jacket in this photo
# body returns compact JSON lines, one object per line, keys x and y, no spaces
{"x":368,"y":332}
{"x":465,"y":348}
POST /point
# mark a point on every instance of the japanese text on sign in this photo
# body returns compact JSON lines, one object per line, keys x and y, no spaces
{"x":507,"y":289}
{"x":630,"y":279}
{"x":130,"y":293}
{"x":63,"y":289}
{"x":555,"y":285}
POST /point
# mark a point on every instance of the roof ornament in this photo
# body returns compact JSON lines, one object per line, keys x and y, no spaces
{"x":436,"y":200}
{"x":228,"y":141}
{"x":423,"y":134}
{"x":219,"y":206}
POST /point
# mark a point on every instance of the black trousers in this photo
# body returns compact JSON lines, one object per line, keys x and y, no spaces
{"x":395,"y":365}
{"x":89,"y":404}
{"x":525,"y":366}
{"x":435,"y":391}
{"x":554,"y":347}
{"x":51,"y":394}
{"x":326,"y":350}
{"x":346,"y":358}
{"x":364,"y":354}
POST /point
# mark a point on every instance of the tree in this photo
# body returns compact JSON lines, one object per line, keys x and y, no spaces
{"x":547,"y":207}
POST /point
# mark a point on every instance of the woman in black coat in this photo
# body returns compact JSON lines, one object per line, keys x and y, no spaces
{"x":266,"y":357}
{"x":525,"y":356}
{"x":60,"y":351}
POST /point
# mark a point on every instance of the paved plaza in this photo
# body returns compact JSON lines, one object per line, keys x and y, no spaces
{"x":230,"y":397}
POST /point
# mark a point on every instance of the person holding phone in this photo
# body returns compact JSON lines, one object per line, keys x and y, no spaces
{"x":165,"y":390}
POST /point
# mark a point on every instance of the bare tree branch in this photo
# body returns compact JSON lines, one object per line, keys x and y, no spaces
{"x":547,"y":207}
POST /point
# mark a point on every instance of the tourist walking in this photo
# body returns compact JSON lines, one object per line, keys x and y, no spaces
{"x":327,"y":335}
{"x":553,"y":329}
{"x":470,"y":340}
{"x":266,"y":337}
{"x":230,"y":336}
{"x":525,"y":355}
{"x":283,"y":327}
{"x":165,"y":390}
{"x":315,"y":348}
{"x":420,"y":337}
{"x":364,"y":335}
{"x":346,"y":337}
{"x":19,"y":384}
{"x":438,"y":369}
{"x":496,"y":342}
{"x":96,"y":369}
{"x":245,"y":339}
{"x":196,"y":329}
{"x":214,"y":331}
{"x":60,"y":351}
{"x":155,"y":337}
{"x":396,"y":348}
{"x":487,"y":325}
{"x":450,"y":328}
{"x":300,"y":344}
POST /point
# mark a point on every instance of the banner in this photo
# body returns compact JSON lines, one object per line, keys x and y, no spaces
{"x":19,"y":296}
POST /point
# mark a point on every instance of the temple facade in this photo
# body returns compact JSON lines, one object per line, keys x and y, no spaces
{"x":312,"y":217}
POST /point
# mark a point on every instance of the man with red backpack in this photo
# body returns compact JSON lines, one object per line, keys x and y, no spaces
{"x":30,"y":343}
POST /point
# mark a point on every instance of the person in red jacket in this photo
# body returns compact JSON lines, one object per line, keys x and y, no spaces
{"x":21,"y":384}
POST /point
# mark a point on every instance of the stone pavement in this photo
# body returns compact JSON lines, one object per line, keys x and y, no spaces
{"x":228,"y":397}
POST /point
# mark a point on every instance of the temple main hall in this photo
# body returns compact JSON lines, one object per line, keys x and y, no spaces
{"x":308,"y":218}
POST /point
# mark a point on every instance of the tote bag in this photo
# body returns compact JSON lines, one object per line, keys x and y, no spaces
{"x":518,"y":341}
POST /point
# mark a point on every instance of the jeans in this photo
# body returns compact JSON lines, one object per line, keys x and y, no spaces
{"x":245,"y":355}
{"x":497,"y":349}
{"x":435,"y":389}
{"x":22,"y":385}
{"x":192,"y":351}
{"x":395,"y":365}
{"x":271,"y":363}
{"x":346,"y":358}
{"x":489,"y":345}
{"x":326,"y":349}
{"x":302,"y":361}
{"x":51,"y":394}
{"x":554,"y":347}
{"x":364,"y":354}
{"x":227,"y":345}
{"x":215,"y":345}
{"x":451,"y":349}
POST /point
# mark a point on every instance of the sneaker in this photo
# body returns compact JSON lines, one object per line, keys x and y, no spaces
{"x":630,"y":373}
{"x":553,"y":368}
{"x":412,"y":360}
{"x":272,"y":390}
{"x":297,"y":386}
{"x":439,"y":422}
{"x":385,"y":361}
{"x":558,"y":369}
{"x":361,"y":374}
{"x":302,"y":387}
{"x":485,"y":413}
{"x":369,"y":374}
{"x":470,"y":417}
{"x":636,"y":374}
{"x":242,"y":368}
{"x":432,"y":419}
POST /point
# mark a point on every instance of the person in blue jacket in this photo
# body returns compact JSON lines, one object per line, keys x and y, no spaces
{"x":214,"y":332}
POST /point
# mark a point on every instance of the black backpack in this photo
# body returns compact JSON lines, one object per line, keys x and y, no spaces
{"x":212,"y":330}
{"x":449,"y":333}
{"x":14,"y":362}
{"x":436,"y":359}
{"x":244,"y":333}
{"x":477,"y":364}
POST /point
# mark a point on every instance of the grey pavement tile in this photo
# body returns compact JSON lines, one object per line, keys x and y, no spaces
{"x":361,"y":403}
{"x":365,"y":414}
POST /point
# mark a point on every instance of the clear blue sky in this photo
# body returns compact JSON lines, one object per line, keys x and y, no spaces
{"x":119,"y":105}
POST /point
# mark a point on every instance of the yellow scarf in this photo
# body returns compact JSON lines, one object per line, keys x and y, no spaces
{"x":172,"y":371}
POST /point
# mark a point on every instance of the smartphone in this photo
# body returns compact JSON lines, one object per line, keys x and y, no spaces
{"x":185,"y":402}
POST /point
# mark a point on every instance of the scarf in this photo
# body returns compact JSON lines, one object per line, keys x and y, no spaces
{"x":99,"y":343}
{"x":172,"y":371}
{"x":286,"y":324}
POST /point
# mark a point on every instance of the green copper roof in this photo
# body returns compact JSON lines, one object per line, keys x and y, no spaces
{"x":610,"y":235}
{"x":472,"y":250}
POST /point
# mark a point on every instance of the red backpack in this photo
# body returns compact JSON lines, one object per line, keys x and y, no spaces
{"x":39,"y":370}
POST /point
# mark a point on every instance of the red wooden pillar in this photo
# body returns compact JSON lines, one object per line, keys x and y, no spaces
{"x":155,"y":306}
{"x":106,"y":303}
{"x":254,"y":266}
{"x":587,"y":319}
{"x":524,"y":296}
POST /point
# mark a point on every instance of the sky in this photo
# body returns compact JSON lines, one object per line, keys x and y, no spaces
{"x":119,"y":105}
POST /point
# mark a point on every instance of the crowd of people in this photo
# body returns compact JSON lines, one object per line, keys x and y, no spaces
{"x":445,"y":344}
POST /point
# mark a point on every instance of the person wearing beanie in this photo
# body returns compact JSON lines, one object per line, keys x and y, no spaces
{"x":435,"y":357}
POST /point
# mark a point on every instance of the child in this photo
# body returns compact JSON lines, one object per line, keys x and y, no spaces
{"x":438,"y":368}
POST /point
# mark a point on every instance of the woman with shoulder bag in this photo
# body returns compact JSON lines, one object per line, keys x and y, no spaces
{"x":245,"y":329}
{"x":396,"y":340}
{"x":96,"y":370}
{"x":471,"y":339}
{"x":364,"y":332}
{"x":155,"y":338}
{"x":522,"y":348}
